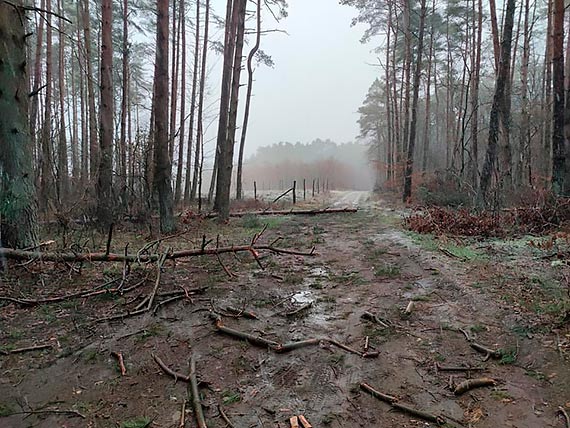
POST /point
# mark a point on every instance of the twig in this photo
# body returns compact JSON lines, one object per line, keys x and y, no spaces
{"x":375,"y":319}
{"x":157,"y":283}
{"x":119,"y":357}
{"x":182,"y":415}
{"x":254,"y":340}
{"x":195,"y":395}
{"x":393,"y":401}
{"x":345,"y":347}
{"x":481,"y":348}
{"x":299,"y":310}
{"x":470,"y":384}
{"x":53,"y":411}
{"x":167,"y":301}
{"x":225,"y":417}
{"x":241,"y":313}
{"x":169,"y":371}
{"x":286,"y":347}
{"x":26,"y":349}
{"x":458,"y":368}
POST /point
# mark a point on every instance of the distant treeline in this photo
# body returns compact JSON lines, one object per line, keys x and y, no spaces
{"x":345,"y":166}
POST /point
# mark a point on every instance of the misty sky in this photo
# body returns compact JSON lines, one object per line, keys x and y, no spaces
{"x":321,"y":76}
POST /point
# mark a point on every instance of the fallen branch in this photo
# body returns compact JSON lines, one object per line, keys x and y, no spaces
{"x":167,"y":301}
{"x":52,"y":411}
{"x":26,"y":349}
{"x":406,"y":408}
{"x":16,"y":254}
{"x":225,"y":417}
{"x":195,"y":395}
{"x":56,"y":299}
{"x":368,"y":316}
{"x":304,"y":422}
{"x":345,"y":347}
{"x":287,"y":347}
{"x":182,"y":421}
{"x":489,"y":353}
{"x":470,"y":384}
{"x":241,"y":313}
{"x":290,"y":212}
{"x":121,"y":361}
{"x":169,"y":371}
{"x":254,"y":340}
{"x":457,"y":368}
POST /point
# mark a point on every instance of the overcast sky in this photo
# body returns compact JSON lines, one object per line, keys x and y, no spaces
{"x":321,"y":75}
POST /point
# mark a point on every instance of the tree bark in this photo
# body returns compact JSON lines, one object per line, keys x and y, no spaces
{"x":416,"y":89}
{"x":105,"y":174}
{"x":558,"y":146}
{"x":46,"y":159}
{"x":199,"y":152}
{"x":91,"y":97}
{"x":251,"y":56}
{"x":124,"y":107}
{"x":18,"y":205}
{"x":179,"y":166}
{"x":499,"y":125}
{"x":62,"y":168}
{"x":162,"y":169}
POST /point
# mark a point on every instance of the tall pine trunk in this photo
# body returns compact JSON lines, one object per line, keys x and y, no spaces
{"x":162,"y":164}
{"x":18,"y":205}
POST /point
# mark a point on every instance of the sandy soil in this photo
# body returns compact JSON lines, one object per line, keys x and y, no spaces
{"x":364,"y":262}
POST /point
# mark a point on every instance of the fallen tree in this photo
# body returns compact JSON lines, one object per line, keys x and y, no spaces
{"x":289,"y":212}
{"x":12,"y":253}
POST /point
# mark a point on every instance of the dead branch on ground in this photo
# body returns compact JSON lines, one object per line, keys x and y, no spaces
{"x":70,"y":413}
{"x":300,"y":309}
{"x":16,"y":254}
{"x":290,"y":212}
{"x":489,"y":353}
{"x":195,"y":395}
{"x":457,"y":368}
{"x":26,"y":349}
{"x":368,"y":316}
{"x":121,"y":361}
{"x":169,"y":371}
{"x":406,"y":408}
{"x":470,"y":384}
{"x":225,"y":417}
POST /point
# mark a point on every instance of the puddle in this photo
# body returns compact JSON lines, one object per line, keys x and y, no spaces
{"x":318,"y":271}
{"x":302,"y":297}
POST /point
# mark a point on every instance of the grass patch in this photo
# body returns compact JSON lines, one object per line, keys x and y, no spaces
{"x":477,"y":328}
{"x":230,"y":397}
{"x":508,"y":356}
{"x":140,"y":422}
{"x":387,"y":270}
{"x":535,"y":374}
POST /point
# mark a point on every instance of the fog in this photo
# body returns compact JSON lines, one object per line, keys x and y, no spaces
{"x":321,"y":75}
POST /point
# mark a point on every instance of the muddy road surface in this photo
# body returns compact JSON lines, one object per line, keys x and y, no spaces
{"x":364,"y":263}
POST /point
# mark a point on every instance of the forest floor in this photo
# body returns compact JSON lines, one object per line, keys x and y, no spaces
{"x":504,"y":294}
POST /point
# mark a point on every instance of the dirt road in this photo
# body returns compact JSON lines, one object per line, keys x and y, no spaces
{"x":364,"y":263}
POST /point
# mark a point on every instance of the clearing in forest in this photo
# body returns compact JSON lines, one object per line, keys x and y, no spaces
{"x":455,"y":332}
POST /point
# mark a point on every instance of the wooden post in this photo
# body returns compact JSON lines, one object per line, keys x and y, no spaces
{"x":318,"y":185}
{"x":327,"y":188}
{"x":313,"y":188}
{"x":304,"y":190}
{"x":255,"y":190}
{"x":294,"y":190}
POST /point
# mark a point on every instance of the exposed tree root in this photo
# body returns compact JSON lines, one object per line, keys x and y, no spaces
{"x":406,"y":408}
{"x":470,"y":384}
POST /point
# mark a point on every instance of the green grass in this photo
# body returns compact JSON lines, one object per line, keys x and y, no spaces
{"x":387,"y":270}
{"x":508,"y":356}
{"x":230,"y":397}
{"x":140,"y":422}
